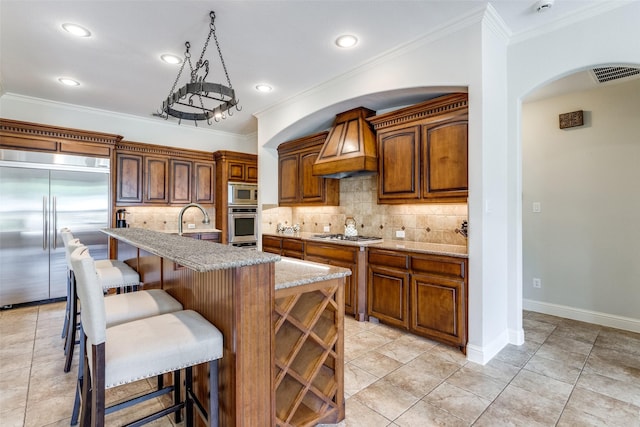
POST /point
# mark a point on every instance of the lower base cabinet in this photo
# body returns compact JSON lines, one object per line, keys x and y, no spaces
{"x":425,"y":294}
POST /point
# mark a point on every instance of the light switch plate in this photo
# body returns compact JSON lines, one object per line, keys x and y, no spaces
{"x":536,"y":207}
{"x":326,"y":228}
{"x":400,"y":234}
{"x":191,"y":226}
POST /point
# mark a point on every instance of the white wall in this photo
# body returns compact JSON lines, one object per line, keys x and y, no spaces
{"x":150,"y":131}
{"x":450,"y":57}
{"x":585,"y":242}
{"x":612,"y":37}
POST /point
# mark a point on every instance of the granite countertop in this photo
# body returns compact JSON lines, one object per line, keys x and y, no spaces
{"x":292,"y":272}
{"x":198,"y":255}
{"x":458,"y":251}
{"x":199,"y":230}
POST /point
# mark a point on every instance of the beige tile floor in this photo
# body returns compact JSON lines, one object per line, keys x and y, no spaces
{"x":567,"y":373}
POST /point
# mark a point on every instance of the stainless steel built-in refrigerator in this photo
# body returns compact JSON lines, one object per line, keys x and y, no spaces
{"x":40,"y":193}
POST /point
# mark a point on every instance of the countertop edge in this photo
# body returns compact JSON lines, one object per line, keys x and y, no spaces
{"x":406,"y":246}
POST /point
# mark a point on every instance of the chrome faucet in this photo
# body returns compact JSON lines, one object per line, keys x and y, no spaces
{"x":204,"y":221}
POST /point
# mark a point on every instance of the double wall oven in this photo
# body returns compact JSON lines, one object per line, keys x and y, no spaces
{"x":243,"y":214}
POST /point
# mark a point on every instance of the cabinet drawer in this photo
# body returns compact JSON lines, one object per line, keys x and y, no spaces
{"x":446,"y":266}
{"x":293,"y":245}
{"x":333,"y":252}
{"x":273,"y":243}
{"x":389,"y":259}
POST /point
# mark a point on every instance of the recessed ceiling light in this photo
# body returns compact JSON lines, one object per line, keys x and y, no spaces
{"x":171,"y":59}
{"x":68,"y":82}
{"x":76,"y":30}
{"x":346,"y":41}
{"x":263,"y":87}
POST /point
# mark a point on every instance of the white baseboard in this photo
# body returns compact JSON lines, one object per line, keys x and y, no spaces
{"x":484,"y":354}
{"x":603,"y":319}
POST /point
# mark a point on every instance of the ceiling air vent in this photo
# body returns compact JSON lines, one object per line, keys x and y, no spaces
{"x":607,"y":74}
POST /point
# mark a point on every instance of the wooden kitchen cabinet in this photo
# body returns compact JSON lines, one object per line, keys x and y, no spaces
{"x":346,"y":257}
{"x":190,"y":182}
{"x":422,"y":152}
{"x":231,"y":166}
{"x":388,"y":287}
{"x":242,"y":171}
{"x":399,"y":173}
{"x":128,"y":178}
{"x":159,"y":175}
{"x":297,"y":186}
{"x":156,"y":176}
{"x":439,"y":298}
{"x":203,"y":183}
{"x":180,"y":181}
{"x":445,"y":166}
{"x":426,"y":294}
{"x":284,"y":246}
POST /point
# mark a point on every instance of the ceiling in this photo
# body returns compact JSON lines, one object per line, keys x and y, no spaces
{"x":287,"y":44}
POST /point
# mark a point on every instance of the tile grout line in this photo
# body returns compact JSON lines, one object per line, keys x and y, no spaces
{"x":577,"y":379}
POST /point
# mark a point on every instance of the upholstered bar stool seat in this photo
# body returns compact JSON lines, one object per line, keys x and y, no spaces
{"x":140,"y":349}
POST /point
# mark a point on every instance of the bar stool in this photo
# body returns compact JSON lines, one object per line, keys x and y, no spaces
{"x":119,"y":308}
{"x":67,"y":237}
{"x":141,"y":349}
{"x":112,"y":274}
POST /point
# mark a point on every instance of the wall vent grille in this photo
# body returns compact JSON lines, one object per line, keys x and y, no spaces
{"x":607,"y":74}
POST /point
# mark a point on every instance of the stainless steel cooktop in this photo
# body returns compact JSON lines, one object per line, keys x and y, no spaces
{"x":363,"y":239}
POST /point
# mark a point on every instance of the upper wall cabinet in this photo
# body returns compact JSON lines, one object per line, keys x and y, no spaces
{"x":157,"y":175}
{"x":297,"y":186}
{"x":422,"y":152}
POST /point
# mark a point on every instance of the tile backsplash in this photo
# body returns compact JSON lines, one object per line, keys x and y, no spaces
{"x":428,"y":223}
{"x":165,"y":218}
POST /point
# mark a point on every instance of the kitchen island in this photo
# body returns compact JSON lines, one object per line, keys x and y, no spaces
{"x":270,"y":373}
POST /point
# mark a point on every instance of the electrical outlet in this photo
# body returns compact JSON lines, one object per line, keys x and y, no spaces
{"x":400,"y":234}
{"x":326,"y":228}
{"x":191,"y":226}
{"x":537,"y":283}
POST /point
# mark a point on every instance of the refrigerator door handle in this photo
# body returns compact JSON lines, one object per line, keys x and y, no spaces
{"x":45,"y":223}
{"x":54,"y":231}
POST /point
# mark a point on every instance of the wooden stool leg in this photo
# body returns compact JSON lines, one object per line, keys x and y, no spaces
{"x":177,"y":385}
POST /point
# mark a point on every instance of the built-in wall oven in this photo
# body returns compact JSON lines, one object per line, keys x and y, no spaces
{"x":243,"y":226}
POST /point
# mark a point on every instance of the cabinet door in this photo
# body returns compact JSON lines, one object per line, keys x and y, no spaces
{"x":155,"y":176}
{"x":398,"y":163}
{"x":388,"y":295}
{"x":203,"y":183}
{"x":236,"y":171}
{"x":288,"y":179}
{"x":445,"y":160}
{"x":128,"y":178}
{"x":180,"y":181}
{"x":438,"y":308}
{"x":251,"y":173}
{"x":312,"y":188}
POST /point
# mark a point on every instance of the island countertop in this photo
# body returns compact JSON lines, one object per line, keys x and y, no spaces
{"x":292,"y":272}
{"x":198,"y":255}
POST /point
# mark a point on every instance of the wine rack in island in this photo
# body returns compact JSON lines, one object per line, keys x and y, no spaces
{"x":309,"y":368}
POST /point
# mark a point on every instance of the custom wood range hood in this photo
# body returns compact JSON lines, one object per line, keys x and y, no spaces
{"x":350,"y":148}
